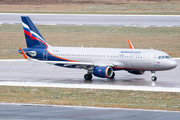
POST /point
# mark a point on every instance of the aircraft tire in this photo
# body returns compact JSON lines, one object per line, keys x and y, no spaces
{"x":153,"y":78}
{"x":88,"y":77}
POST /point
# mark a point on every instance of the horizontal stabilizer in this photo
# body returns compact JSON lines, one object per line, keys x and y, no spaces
{"x":24,"y":54}
{"x":26,"y":57}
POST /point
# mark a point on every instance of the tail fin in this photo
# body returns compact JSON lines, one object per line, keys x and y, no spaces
{"x":32,"y":35}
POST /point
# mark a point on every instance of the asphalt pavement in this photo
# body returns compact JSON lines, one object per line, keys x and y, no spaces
{"x":48,"y":112}
{"x":103,"y":20}
{"x":27,"y":71}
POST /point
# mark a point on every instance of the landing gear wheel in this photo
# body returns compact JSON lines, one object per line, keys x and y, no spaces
{"x":112,"y":77}
{"x":153,"y":78}
{"x":88,"y":77}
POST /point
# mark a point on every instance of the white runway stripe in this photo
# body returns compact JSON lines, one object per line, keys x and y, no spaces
{"x":88,"y":86}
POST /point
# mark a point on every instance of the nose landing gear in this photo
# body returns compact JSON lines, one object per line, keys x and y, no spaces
{"x":153,"y":78}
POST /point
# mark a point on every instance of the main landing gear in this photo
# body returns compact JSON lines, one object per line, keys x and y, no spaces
{"x":153,"y":78}
{"x":88,"y":77}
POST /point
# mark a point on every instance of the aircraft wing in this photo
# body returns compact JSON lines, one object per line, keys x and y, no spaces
{"x":85,"y":64}
{"x":66,"y":63}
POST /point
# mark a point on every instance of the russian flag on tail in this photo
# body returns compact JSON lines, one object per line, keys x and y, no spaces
{"x":32,"y":35}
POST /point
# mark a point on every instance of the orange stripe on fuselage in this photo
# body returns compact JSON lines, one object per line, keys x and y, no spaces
{"x":60,"y":57}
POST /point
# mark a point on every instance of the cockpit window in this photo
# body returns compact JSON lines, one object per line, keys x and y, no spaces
{"x":164,"y":57}
{"x":167,"y":57}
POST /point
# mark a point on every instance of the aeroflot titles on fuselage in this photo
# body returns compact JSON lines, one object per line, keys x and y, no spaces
{"x":133,"y":52}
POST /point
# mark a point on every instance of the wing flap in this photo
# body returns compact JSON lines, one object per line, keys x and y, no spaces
{"x":69,"y":63}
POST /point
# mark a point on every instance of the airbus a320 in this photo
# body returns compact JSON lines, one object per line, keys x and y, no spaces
{"x":100,"y":62}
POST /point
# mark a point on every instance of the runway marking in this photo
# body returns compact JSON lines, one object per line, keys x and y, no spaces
{"x":93,"y":86}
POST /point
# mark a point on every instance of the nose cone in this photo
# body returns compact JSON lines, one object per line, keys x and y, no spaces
{"x":172,"y":64}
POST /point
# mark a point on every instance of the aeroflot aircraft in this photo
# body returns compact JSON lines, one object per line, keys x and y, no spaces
{"x":100,"y":62}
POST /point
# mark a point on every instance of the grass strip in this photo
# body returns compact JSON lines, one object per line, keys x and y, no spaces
{"x":91,"y":97}
{"x":99,"y":7}
{"x":161,"y":38}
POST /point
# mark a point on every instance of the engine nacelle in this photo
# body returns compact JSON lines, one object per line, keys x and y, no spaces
{"x":136,"y":72}
{"x":103,"y":72}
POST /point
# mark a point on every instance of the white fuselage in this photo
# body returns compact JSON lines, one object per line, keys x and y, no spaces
{"x":138,"y":59}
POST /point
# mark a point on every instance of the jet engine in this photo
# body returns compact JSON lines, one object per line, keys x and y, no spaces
{"x":136,"y":72}
{"x":103,"y":72}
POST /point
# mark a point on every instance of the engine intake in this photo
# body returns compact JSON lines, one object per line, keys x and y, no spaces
{"x":103,"y":72}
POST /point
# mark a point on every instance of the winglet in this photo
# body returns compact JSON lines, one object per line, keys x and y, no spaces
{"x":24,"y":54}
{"x":130,"y":44}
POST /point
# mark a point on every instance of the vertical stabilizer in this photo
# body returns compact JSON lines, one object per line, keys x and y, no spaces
{"x":32,"y":35}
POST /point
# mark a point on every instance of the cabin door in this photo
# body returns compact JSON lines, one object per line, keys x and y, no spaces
{"x":45,"y":55}
{"x":148,"y":58}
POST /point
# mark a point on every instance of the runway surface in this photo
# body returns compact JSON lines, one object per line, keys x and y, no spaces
{"x":105,"y":20}
{"x":43,"y":112}
{"x":27,"y":72}
{"x":22,"y":72}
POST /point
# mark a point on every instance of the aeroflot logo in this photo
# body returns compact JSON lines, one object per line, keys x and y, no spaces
{"x":132,"y":52}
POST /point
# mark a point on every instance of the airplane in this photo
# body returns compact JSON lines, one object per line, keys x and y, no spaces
{"x":100,"y":62}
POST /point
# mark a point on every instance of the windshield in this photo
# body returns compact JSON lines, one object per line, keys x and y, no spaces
{"x":164,"y":57}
